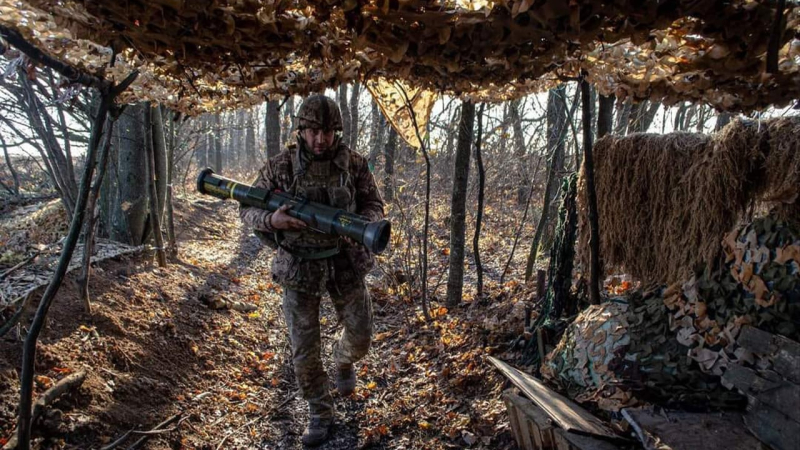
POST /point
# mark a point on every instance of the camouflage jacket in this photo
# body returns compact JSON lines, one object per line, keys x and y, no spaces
{"x":286,"y":172}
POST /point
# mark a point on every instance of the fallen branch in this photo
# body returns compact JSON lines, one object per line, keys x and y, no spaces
{"x":159,"y":427}
{"x":117,"y":442}
{"x":57,"y":390}
{"x":23,"y":263}
{"x":17,"y":315}
{"x":260,"y":417}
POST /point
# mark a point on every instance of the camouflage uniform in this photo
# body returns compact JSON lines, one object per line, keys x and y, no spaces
{"x":344,"y":181}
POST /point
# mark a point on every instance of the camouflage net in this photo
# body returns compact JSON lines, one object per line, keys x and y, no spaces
{"x":664,"y":200}
{"x":669,"y":345}
{"x":198,"y":56}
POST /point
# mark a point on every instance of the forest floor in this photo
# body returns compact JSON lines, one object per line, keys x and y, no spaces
{"x":154,"y":347}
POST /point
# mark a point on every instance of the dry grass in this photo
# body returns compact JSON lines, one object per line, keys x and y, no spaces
{"x":665,"y":201}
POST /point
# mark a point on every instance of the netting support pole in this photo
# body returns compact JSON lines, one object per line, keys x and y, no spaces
{"x":591,"y":194}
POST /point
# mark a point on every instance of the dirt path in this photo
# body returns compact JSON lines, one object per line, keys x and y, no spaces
{"x":155,"y":348}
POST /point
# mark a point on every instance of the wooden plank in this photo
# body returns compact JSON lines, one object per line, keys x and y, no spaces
{"x":564,"y":412}
{"x":562,"y":443}
{"x":780,"y":395}
{"x":690,"y":431}
{"x":525,"y":431}
{"x":772,"y":427}
{"x":573,"y":441}
{"x":513,"y":420}
{"x":785,"y":353}
{"x":540,"y":424}
{"x":532,"y":422}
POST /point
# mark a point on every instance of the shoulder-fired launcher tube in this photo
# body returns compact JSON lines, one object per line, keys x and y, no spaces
{"x":323,"y":218}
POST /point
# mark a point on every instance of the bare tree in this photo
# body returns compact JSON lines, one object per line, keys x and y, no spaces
{"x":344,"y":107}
{"x":388,"y":166}
{"x":15,"y":189}
{"x":353,"y":142}
{"x":556,"y":124}
{"x":376,"y":135}
{"x":455,"y":279}
{"x":481,"y":187}
{"x":605,"y":116}
{"x":273,"y":129}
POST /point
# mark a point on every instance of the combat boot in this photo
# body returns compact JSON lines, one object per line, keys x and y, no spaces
{"x":345,"y":379}
{"x":318,"y":431}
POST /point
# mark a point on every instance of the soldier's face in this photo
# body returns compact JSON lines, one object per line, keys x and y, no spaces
{"x":318,"y":140}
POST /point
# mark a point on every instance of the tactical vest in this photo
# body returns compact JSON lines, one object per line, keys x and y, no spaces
{"x":313,"y":179}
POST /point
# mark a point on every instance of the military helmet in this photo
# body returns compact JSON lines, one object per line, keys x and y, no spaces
{"x":319,"y":111}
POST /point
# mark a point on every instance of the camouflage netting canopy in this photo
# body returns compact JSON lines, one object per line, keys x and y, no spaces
{"x":208,"y":54}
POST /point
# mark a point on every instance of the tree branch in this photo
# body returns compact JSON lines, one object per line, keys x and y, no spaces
{"x":74,"y":75}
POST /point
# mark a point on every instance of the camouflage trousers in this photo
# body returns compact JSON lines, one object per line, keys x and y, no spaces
{"x":354,"y":312}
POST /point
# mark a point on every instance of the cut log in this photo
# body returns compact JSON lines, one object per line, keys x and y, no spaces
{"x":564,"y":412}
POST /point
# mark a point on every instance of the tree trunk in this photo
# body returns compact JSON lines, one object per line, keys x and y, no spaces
{"x":520,"y":163}
{"x":41,"y":123}
{"x":458,"y":206}
{"x":376,"y":135}
{"x":562,"y":255}
{"x":722,"y":120}
{"x":287,"y":124}
{"x":450,"y":144}
{"x":130,"y":212}
{"x":702,"y":115}
{"x":642,"y":115}
{"x":605,"y":116}
{"x":623,"y":116}
{"x":217,"y":139}
{"x":503,"y":141}
{"x":687,"y":120}
{"x":172,"y":245}
{"x":388,"y":165}
{"x":591,"y":195}
{"x":88,"y":231}
{"x":14,"y":175}
{"x":159,"y":159}
{"x":479,"y":216}
{"x":556,"y":121}
{"x":679,"y":116}
{"x":345,"y":110}
{"x":250,"y":142}
{"x":202,"y":141}
{"x":273,"y":129}
{"x":354,"y":116}
{"x":152,"y":190}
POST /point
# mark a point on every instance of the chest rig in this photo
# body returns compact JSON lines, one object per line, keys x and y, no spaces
{"x":325,"y":181}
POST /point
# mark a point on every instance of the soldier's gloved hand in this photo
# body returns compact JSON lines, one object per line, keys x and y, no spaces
{"x":281,"y":220}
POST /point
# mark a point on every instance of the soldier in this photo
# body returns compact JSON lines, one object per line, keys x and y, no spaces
{"x":322,"y":169}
